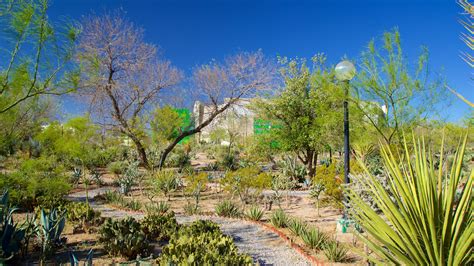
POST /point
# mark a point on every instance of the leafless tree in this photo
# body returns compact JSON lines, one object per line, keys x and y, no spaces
{"x":222,"y":85}
{"x":122,"y":74}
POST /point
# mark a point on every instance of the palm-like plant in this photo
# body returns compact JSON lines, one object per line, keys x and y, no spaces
{"x":428,"y":220}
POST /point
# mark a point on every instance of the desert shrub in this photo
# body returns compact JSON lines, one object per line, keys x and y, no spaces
{"x":115,"y":198}
{"x":195,"y":184}
{"x":254,"y":213}
{"x":247,"y":183}
{"x":164,"y":182}
{"x":124,"y":237}
{"x":82,"y":215}
{"x":279,"y":218}
{"x":314,"y":238}
{"x":117,"y":168}
{"x":34,"y":185}
{"x":160,"y":207}
{"x":180,"y":157}
{"x":291,"y":168}
{"x":335,"y":251}
{"x":329,"y":178}
{"x":297,"y":226}
{"x":202,"y":243}
{"x":191,"y":209}
{"x":227,"y":208}
{"x":229,"y":162}
{"x":129,"y":177}
{"x":159,"y":226}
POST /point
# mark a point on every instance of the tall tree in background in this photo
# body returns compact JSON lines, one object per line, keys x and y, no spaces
{"x":122,"y":74}
{"x":222,"y":85}
{"x":386,"y":82}
{"x":308,"y":110}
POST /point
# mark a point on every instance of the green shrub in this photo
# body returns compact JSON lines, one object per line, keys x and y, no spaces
{"x":159,"y":226}
{"x":34,"y":188}
{"x":335,"y":251}
{"x":165,"y":182}
{"x":254,"y":213}
{"x":331,"y":180}
{"x":117,"y":168}
{"x":279,"y":218}
{"x":191,"y":209}
{"x":227,"y":208}
{"x":82,"y":215}
{"x":202,"y":243}
{"x":314,"y":238}
{"x":247,"y":183}
{"x":293,"y":170}
{"x":124,"y":238}
{"x":161,"y":207}
{"x":297,"y":226}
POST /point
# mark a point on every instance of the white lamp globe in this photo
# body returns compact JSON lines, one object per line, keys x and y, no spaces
{"x":345,"y":71}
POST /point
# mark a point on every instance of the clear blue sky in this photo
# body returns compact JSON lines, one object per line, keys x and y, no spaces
{"x":193,"y":32}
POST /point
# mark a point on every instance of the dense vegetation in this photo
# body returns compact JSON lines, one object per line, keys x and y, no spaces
{"x":409,"y":201}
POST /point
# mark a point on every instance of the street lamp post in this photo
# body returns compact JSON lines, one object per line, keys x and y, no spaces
{"x":345,"y":71}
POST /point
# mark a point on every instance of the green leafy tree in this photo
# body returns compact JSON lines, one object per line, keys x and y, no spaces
{"x":305,"y":110}
{"x":393,"y":94}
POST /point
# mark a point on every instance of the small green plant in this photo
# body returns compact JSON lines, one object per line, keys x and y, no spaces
{"x":124,"y":237}
{"x":76,"y":262}
{"x":82,"y":215}
{"x":279,"y":218}
{"x":196,"y":183}
{"x":96,"y":176}
{"x":254,"y":213}
{"x":159,"y":226}
{"x":247,"y":183}
{"x":76,"y":175}
{"x":161,"y":207}
{"x":133,"y":205}
{"x":165,"y":182}
{"x":316,"y":189}
{"x":129,"y":177}
{"x":50,"y":229}
{"x":191,"y":209}
{"x":314,"y":238}
{"x":335,"y":251}
{"x":11,"y":237}
{"x":297,"y":226}
{"x":293,"y":170}
{"x":227,"y":208}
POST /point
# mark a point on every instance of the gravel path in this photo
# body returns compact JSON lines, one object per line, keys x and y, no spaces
{"x":262,"y":245}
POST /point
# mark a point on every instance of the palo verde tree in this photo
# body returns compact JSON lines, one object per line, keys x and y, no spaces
{"x":308,"y":109}
{"x":35,"y":63}
{"x":122,"y":74}
{"x":222,"y":85}
{"x":39,"y":52}
{"x":386,"y":81}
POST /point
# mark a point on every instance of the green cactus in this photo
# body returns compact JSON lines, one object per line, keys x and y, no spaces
{"x":124,"y":238}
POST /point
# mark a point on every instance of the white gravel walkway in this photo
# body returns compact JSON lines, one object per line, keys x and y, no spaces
{"x":264,"y":246}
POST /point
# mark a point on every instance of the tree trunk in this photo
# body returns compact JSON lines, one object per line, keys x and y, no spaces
{"x":140,"y":149}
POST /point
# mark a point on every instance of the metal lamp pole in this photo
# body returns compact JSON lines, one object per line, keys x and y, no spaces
{"x":345,"y":71}
{"x":346,"y":134}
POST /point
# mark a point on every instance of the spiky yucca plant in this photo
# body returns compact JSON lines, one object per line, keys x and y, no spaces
{"x":428,"y":221}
